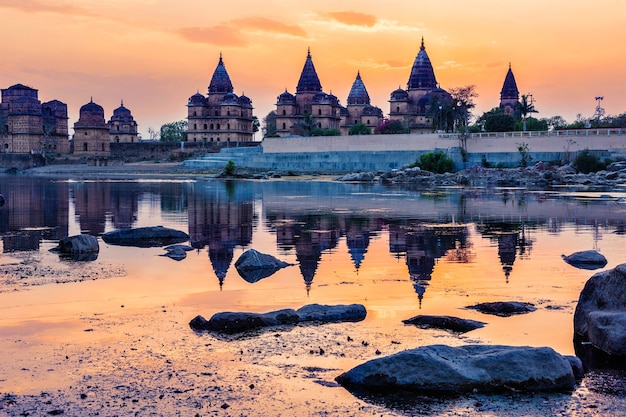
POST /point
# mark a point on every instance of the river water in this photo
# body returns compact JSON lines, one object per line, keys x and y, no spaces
{"x":398,"y":251}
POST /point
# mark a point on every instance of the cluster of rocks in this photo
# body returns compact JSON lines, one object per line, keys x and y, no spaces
{"x":239,"y":322}
{"x":539,"y":175}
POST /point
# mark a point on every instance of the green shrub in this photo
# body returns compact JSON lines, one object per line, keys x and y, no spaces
{"x":587,"y":162}
{"x":437,"y":162}
{"x":230,"y":168}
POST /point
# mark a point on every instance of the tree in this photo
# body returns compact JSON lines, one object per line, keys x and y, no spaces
{"x":532,"y":125}
{"x":270,"y":125}
{"x":437,"y":162}
{"x":526,"y":106}
{"x":360,"y":129}
{"x":154,"y":135}
{"x":255,"y":124}
{"x":174,"y":131}
{"x":557,"y":122}
{"x":391,"y":127}
{"x":307,"y":126}
{"x":463,"y":104}
{"x":496,"y":121}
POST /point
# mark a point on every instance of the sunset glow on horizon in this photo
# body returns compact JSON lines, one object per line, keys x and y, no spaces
{"x":154,"y":54}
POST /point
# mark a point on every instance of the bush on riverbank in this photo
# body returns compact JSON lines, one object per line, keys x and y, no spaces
{"x":437,"y":162}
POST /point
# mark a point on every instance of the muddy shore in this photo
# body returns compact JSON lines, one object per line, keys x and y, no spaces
{"x":148,"y":362}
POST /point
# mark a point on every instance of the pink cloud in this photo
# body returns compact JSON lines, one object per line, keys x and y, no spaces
{"x":351,"y":18}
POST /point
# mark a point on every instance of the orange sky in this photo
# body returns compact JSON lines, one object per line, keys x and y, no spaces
{"x":154,"y":54}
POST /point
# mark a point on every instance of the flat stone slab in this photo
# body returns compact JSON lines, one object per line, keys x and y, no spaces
{"x":444,"y":369}
{"x":239,"y":322}
{"x":450,"y":323}
{"x":588,"y":259}
{"x":145,"y":237}
{"x":504,"y":308}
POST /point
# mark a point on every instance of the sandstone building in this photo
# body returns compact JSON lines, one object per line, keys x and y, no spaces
{"x":92,"y":134}
{"x":28,"y":126}
{"x":420,"y":107}
{"x":324,"y":108}
{"x":509,"y":95}
{"x":122,"y":126}
{"x":222,"y":116}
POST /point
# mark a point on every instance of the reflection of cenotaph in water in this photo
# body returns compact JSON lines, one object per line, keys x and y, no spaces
{"x":511,"y":240}
{"x":220,"y":219}
{"x":423,"y":244}
{"x":35,"y":209}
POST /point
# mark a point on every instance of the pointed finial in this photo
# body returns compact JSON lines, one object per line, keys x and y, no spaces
{"x":91,"y":99}
{"x":308,"y":53}
{"x":422,"y":47}
{"x":221,"y":58}
{"x":122,"y":103}
{"x":509,"y":65}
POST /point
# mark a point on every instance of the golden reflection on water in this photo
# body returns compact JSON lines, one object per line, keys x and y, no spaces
{"x":397,"y":266}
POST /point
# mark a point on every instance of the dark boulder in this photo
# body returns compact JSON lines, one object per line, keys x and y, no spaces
{"x":253,"y":265}
{"x":453,"y":324}
{"x":238,"y":322}
{"x":600,"y":319}
{"x":79,"y":244}
{"x":504,"y":308}
{"x":588,"y":259}
{"x":445,"y":370}
{"x":145,"y":237}
{"x":328,"y":314}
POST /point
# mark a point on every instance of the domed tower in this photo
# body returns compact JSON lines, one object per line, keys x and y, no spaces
{"x":359,"y":109}
{"x":309,"y":99}
{"x":509,"y":95}
{"x":122,"y":126}
{"x":91,"y":134}
{"x":221,"y":117}
{"x":413,"y":105}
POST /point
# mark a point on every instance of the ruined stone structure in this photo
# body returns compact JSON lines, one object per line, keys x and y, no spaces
{"x":92,"y":134}
{"x":122,"y":126}
{"x":420,"y":107}
{"x":222,"y":116}
{"x":509,"y":95}
{"x":311,"y":108}
{"x":28,"y":126}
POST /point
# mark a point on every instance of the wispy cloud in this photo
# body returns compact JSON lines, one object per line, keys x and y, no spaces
{"x":234,"y":32}
{"x":216,"y":35}
{"x":37,"y":6}
{"x":351,"y":18}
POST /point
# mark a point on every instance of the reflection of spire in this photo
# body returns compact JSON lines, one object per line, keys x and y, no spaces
{"x":358,"y":243}
{"x":308,"y":255}
{"x":420,"y":289}
{"x":507,"y":244}
{"x":221,"y":258}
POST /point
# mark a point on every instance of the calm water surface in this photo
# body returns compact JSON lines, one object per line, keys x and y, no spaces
{"x":398,"y":251}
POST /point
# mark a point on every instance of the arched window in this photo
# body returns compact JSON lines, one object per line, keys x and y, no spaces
{"x":211,"y":126}
{"x":319,"y":112}
{"x":218,"y":126}
{"x":368,"y":121}
{"x":217,"y":113}
{"x":284,"y":126}
{"x":194,"y":113}
{"x":85,"y":146}
{"x":228,"y":112}
{"x":397,"y":109}
{"x":194,"y":126}
{"x":205,"y":126}
{"x":284,"y":112}
{"x":356,"y":121}
{"x":103,"y":147}
{"x":228,"y":126}
{"x":117,"y":139}
{"x":211,"y":139}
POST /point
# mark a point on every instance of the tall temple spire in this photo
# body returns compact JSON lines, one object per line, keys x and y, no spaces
{"x":509,"y":88}
{"x":220,"y":82}
{"x":309,"y":81}
{"x":422,"y":73}
{"x":358,"y":92}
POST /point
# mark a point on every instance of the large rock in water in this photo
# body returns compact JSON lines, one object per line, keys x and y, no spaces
{"x":79,"y":244}
{"x":453,"y":324}
{"x":445,"y":369}
{"x":238,"y":322}
{"x":504,"y":308}
{"x":587,"y":259}
{"x":600,"y":316}
{"x":253,"y":265}
{"x":145,"y":237}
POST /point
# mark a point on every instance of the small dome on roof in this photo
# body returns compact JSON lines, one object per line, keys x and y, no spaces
{"x":286,"y":98}
{"x":370,"y":110}
{"x":230,"y":99}
{"x":399,"y":95}
{"x":197,"y":100}
{"x":244,"y":101}
{"x":92,"y":107}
